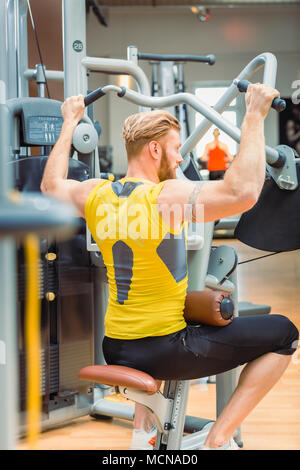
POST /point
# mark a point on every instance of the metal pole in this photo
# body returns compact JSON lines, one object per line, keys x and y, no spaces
{"x":74,"y":47}
{"x":8,"y":317}
{"x":184,"y":132}
{"x":178,"y":414}
{"x":167,"y":85}
{"x":8,"y":68}
{"x":40,"y":80}
{"x":55,"y":75}
{"x":21,"y":46}
{"x":227,"y":382}
{"x":4,"y":42}
{"x":120,"y":66}
{"x":132,"y":54}
{"x":155,"y":87}
{"x":198,"y":261}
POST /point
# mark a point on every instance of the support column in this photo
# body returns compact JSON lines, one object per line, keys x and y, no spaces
{"x":8,"y":317}
{"x":8,"y":72}
{"x":21,"y":47}
{"x":74,"y":47}
{"x":226,"y":383}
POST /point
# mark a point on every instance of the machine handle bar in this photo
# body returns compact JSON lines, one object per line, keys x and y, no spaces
{"x":278,"y":104}
{"x":207,"y":59}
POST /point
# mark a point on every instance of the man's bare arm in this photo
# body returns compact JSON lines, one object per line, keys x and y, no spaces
{"x":75,"y":192}
{"x":58,"y":161}
{"x":190,"y":210}
{"x":54,"y":181}
{"x":243,"y":181}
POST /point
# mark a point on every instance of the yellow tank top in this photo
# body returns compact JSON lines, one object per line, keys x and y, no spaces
{"x":146,"y":260}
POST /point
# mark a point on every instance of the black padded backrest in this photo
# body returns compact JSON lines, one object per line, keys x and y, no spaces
{"x":273,"y":224}
{"x":28,"y":172}
{"x":192,"y":172}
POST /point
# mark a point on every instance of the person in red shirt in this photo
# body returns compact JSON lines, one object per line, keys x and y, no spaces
{"x":217,"y":156}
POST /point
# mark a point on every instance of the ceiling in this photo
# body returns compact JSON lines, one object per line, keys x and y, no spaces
{"x":189,"y":3}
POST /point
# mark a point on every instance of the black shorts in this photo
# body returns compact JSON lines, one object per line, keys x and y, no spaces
{"x":201,"y":351}
{"x":216,"y":175}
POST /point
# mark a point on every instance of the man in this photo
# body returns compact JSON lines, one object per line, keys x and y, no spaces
{"x":143,"y":247}
{"x":217,"y":156}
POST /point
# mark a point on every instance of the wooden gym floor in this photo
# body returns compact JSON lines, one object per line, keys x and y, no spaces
{"x":273,"y":425}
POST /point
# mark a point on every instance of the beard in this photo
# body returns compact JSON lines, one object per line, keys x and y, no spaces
{"x":165,"y":171}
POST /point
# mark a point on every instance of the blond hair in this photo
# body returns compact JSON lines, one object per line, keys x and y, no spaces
{"x":141,"y":128}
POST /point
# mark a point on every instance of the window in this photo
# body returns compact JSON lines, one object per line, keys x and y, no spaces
{"x":210,"y":93}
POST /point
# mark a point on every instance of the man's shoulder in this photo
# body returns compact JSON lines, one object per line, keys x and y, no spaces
{"x":82,"y":191}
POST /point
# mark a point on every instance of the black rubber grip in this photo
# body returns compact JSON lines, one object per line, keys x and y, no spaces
{"x":227,"y":308}
{"x":207,"y":59}
{"x":278,"y":104}
{"x":122,"y":92}
{"x":93,"y":96}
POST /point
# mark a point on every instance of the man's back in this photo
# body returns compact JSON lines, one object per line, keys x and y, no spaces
{"x":145,"y":259}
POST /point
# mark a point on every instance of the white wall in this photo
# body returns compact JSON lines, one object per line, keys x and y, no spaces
{"x":235,"y":36}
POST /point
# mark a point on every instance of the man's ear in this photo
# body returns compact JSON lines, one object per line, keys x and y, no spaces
{"x":155,"y":149}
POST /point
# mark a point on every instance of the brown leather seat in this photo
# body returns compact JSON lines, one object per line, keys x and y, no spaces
{"x":120,"y":375}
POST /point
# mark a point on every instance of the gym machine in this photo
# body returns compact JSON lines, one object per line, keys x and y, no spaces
{"x":79,"y":397}
{"x":66,"y":290}
{"x":66,"y":273}
{"x":19,"y":215}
